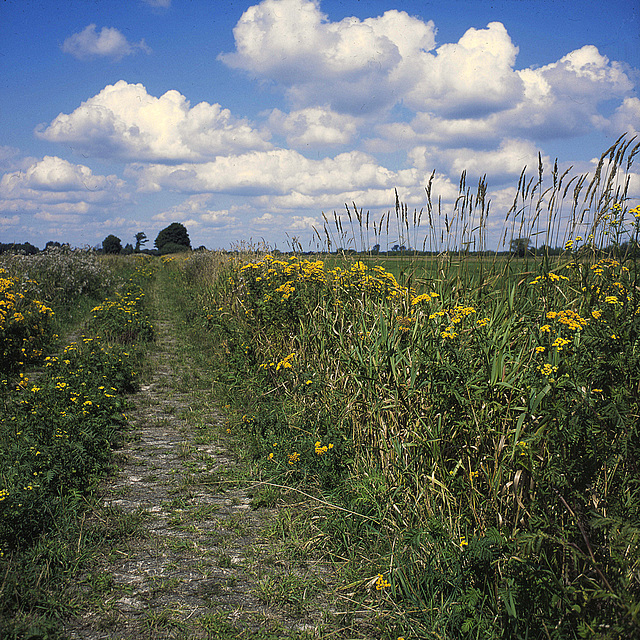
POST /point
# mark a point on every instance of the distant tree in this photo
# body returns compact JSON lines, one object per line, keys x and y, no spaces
{"x":128,"y":249}
{"x":519,"y":247}
{"x":24,"y":248}
{"x":51,"y":245}
{"x":141,"y":238}
{"x":112,"y":244}
{"x":376,"y":249}
{"x":173,"y":238}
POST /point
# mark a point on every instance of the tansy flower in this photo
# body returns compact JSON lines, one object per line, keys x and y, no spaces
{"x":381,"y":583}
{"x":547,"y":369}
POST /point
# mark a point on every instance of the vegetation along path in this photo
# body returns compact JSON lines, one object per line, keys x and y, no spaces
{"x":190,"y":556}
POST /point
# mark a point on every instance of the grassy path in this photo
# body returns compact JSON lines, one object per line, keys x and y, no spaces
{"x":185,"y":554}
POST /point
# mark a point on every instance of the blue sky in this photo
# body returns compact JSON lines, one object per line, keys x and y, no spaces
{"x":247,"y":120}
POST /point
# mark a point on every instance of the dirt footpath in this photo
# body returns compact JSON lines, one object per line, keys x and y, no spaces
{"x":185,"y":554}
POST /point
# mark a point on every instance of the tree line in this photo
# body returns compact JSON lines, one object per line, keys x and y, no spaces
{"x":172,"y":239}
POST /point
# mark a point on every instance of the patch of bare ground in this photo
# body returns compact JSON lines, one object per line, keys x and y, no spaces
{"x":183,"y":552}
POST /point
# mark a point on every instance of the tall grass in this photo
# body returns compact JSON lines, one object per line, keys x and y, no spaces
{"x":483,"y":421}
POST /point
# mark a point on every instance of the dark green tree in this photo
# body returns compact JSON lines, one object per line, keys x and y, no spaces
{"x":519,"y":246}
{"x":141,"y":238}
{"x":112,"y":244}
{"x":173,"y":238}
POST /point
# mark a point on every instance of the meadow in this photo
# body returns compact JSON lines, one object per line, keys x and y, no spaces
{"x":464,"y":429}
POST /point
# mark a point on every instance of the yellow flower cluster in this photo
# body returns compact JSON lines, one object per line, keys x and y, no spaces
{"x":560,"y":343}
{"x":322,"y":449}
{"x":293,"y":457}
{"x":569,"y":318}
{"x":424,"y":297}
{"x":548,"y":277}
{"x":23,"y":320}
{"x":381,"y":583}
{"x":547,"y":369}
{"x":286,"y":290}
{"x":126,"y":304}
{"x":600,"y":267}
{"x":279,"y":276}
{"x":286,"y":363}
{"x":456,"y":315}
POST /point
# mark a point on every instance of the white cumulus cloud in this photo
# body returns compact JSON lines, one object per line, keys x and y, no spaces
{"x":53,"y":189}
{"x":108,"y":43}
{"x":276,"y":172}
{"x":470,"y":78}
{"x":123,"y":121}
{"x":314,"y":127}
{"x":504,"y":163}
{"x":358,"y":65}
{"x":625,"y":119}
{"x":196,"y":207}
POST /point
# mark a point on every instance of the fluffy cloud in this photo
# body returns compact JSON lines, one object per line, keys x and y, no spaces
{"x":6,"y":222}
{"x":467,"y":93}
{"x":470,"y":78}
{"x":360,"y":65}
{"x":562,"y":99}
{"x":276,"y":172}
{"x":124,"y":121}
{"x":314,"y":127}
{"x":54,"y":189}
{"x":196,"y":208}
{"x":501,"y":164}
{"x":625,"y":119}
{"x":558,"y":100}
{"x":109,"y":43}
{"x":54,"y":179}
{"x":267,"y":221}
{"x":434,"y":130}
